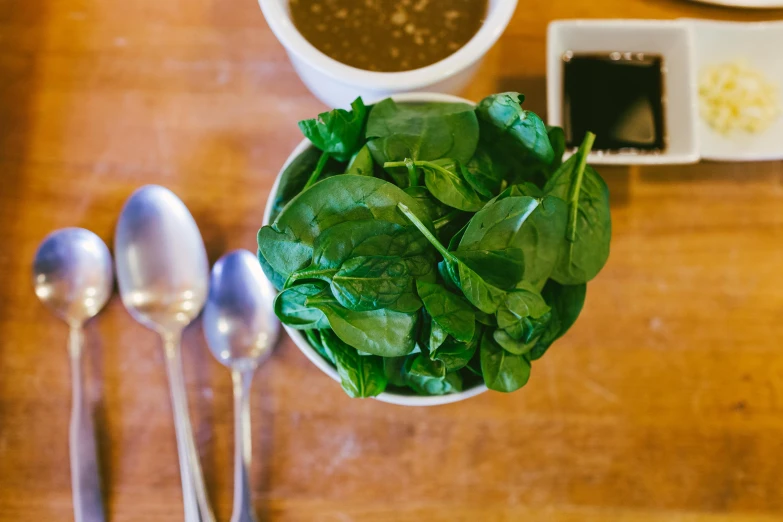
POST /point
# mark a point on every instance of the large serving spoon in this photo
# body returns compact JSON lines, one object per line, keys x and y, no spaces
{"x":163,"y":273}
{"x":72,"y":274}
{"x":241,"y":330}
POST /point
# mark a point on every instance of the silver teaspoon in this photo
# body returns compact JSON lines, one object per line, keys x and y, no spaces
{"x":241,"y":329}
{"x":163,"y":273}
{"x":72,"y":275}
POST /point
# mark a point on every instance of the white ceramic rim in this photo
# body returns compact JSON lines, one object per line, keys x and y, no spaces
{"x":298,"y":337}
{"x":747,"y":4}
{"x":280,"y":22}
{"x":764,"y":25}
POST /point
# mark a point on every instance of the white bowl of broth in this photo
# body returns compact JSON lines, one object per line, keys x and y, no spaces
{"x":342,"y":49}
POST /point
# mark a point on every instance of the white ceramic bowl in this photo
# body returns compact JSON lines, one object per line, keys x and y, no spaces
{"x":298,"y":337}
{"x":670,"y":39}
{"x":337,"y":84}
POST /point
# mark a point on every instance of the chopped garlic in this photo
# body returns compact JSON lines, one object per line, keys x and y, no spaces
{"x":735,"y":96}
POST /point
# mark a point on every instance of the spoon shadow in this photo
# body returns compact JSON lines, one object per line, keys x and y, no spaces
{"x":94,"y":384}
{"x":196,"y":362}
{"x":262,"y":406}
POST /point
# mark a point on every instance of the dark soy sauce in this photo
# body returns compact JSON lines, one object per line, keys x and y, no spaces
{"x":617,"y":96}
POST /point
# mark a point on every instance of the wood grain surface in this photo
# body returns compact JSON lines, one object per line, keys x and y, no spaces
{"x":664,"y":403}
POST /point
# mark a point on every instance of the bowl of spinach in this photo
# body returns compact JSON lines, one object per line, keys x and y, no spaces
{"x":426,"y":248}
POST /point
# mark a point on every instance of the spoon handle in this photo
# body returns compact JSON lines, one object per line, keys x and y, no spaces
{"x":243,"y":497}
{"x":193,"y":490}
{"x":85,"y":476}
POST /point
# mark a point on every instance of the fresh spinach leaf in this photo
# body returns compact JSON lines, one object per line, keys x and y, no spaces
{"x":489,"y":243}
{"x":484,"y":296}
{"x":422,"y":366}
{"x":361,"y":163}
{"x":292,"y":309}
{"x":558,"y":142}
{"x":421,"y":131}
{"x":449,"y":311}
{"x":431,"y":335}
{"x":338,"y":133}
{"x":454,"y":241}
{"x":481,"y":294}
{"x":392,"y":368}
{"x":360,"y":376}
{"x":437,"y":336}
{"x":501,"y":268}
{"x":448,"y":226}
{"x":522,"y":320}
{"x":534,"y":227}
{"x":435,"y":209}
{"x":314,"y":339}
{"x":589,"y":225}
{"x":510,"y":128}
{"x":277,"y":280}
{"x":449,"y":276}
{"x":455,"y":355}
{"x":524,"y":315}
{"x":367,"y":283}
{"x":445,"y":180}
{"x":540,"y":173}
{"x":495,"y":226}
{"x":296,"y":175}
{"x":282,"y":250}
{"x":511,"y":345}
{"x":502,"y":371}
{"x":287,"y":244}
{"x":483,"y":174}
{"x":338,"y":244}
{"x":486,"y":319}
{"x":426,"y":377}
{"x":566,"y":303}
{"x":294,"y":178}
{"x":539,"y":239}
{"x":380,"y":332}
{"x":406,"y":243}
{"x":366,"y":238}
{"x":522,"y":189}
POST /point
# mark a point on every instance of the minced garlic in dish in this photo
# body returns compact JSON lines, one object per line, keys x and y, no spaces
{"x":735,"y":96}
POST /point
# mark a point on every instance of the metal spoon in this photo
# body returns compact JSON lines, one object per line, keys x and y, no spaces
{"x":162,"y":271}
{"x":72,"y":276}
{"x":241,"y":329}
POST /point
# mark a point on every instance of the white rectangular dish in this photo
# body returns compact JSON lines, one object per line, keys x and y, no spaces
{"x":687,"y":46}
{"x":669,"y":39}
{"x":759,"y":45}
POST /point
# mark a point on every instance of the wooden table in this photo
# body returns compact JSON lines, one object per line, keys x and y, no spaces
{"x":664,"y":403}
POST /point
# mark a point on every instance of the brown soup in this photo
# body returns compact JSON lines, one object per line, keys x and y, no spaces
{"x":388,"y":35}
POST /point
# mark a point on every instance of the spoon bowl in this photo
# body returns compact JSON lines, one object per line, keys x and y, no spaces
{"x":162,"y":266}
{"x":239,"y":320}
{"x":72,"y":274}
